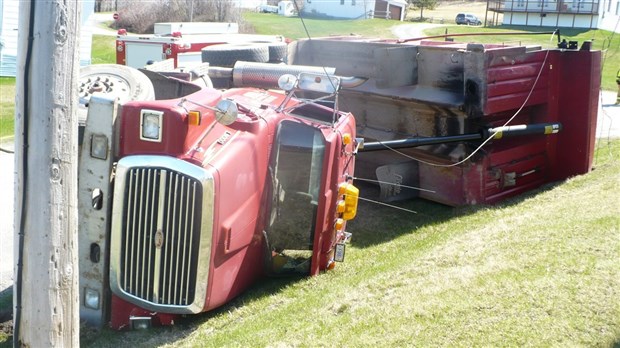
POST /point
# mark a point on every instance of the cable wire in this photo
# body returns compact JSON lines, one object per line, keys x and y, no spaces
{"x":387,"y":205}
{"x":23,"y":195}
{"x":393,"y":184}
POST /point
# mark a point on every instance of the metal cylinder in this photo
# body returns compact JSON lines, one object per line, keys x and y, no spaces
{"x":264,"y":75}
{"x":525,"y":129}
{"x":414,"y":142}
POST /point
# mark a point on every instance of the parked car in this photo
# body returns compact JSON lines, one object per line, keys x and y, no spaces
{"x":467,"y":18}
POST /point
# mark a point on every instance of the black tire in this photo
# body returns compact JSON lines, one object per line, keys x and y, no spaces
{"x":226,"y":55}
{"x":278,"y":51}
{"x":116,"y":81}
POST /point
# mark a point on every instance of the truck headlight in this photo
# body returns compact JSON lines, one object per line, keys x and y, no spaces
{"x":99,"y":146}
{"x":151,"y":124}
{"x":140,"y":323}
{"x":91,"y":298}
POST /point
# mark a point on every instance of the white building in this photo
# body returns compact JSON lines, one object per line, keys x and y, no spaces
{"x":356,"y":9}
{"x":594,"y":14}
{"x":9,"y":18}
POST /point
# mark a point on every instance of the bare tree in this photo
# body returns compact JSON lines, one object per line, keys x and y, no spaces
{"x":141,"y":19}
{"x":46,"y":293}
{"x":424,"y":4}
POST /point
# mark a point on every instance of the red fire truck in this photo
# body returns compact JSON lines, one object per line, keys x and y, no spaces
{"x":184,"y":49}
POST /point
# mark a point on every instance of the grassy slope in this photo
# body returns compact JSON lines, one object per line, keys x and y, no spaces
{"x":103,"y":49}
{"x":293,"y":27}
{"x":538,"y":270}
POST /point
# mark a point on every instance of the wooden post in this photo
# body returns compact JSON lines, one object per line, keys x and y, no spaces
{"x":46,"y":275}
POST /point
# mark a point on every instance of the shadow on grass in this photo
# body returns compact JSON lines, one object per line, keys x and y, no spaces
{"x":563,"y":31}
{"x":376,"y":223}
{"x":182,"y":328}
{"x":6,"y":305}
{"x":6,"y":317}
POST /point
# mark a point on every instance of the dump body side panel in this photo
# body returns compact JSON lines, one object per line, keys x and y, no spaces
{"x":452,"y":89}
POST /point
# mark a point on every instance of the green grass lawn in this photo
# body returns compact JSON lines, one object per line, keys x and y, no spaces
{"x":104,"y":49}
{"x":7,"y":106}
{"x":294,"y":28}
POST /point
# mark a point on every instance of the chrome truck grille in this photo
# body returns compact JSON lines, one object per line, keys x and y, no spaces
{"x":161,"y":233}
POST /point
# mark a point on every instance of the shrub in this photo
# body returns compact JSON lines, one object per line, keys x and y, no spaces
{"x":141,"y":19}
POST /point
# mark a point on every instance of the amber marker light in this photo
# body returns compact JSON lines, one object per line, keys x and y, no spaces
{"x":193,"y":118}
{"x":339,"y":224}
{"x":346,"y":138}
{"x":341,"y":207}
{"x":351,"y":193}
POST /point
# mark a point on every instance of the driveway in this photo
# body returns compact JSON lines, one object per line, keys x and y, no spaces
{"x":6,"y":215}
{"x":608,"y":123}
{"x":410,"y":31}
{"x":99,"y":27}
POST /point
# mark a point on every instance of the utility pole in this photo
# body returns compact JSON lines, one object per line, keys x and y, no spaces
{"x":46,"y":294}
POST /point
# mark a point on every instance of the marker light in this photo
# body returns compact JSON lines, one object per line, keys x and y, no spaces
{"x":346,"y":138}
{"x":339,"y":224}
{"x":351,"y":193}
{"x":151,"y":124}
{"x":341,"y":207}
{"x":140,"y":323}
{"x":193,"y":118}
{"x":99,"y":146}
{"x":91,"y":298}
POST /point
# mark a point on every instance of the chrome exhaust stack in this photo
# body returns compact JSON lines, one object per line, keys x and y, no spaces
{"x":265,"y":75}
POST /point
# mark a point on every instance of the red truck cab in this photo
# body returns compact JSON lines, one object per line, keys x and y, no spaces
{"x":202,"y":207}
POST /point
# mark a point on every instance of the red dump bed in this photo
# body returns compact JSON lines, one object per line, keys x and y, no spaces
{"x":438,"y":88}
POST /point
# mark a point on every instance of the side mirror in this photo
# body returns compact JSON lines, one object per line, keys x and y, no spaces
{"x":226,"y":112}
{"x":287,"y":82}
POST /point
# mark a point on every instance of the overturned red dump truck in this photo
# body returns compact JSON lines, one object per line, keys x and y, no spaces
{"x":435,"y":89}
{"x":188,"y":194}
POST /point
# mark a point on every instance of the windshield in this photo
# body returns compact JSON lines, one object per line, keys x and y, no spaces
{"x":295,"y":169}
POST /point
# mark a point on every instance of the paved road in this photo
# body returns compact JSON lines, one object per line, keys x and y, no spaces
{"x":608,"y":125}
{"x":99,"y":27}
{"x":410,"y":31}
{"x":6,"y":216}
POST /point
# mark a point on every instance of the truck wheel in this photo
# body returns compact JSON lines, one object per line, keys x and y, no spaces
{"x":226,"y":55}
{"x":277,"y":51}
{"x":123,"y":82}
{"x":120,"y":81}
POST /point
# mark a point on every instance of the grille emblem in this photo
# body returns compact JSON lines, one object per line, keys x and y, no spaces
{"x":159,"y":239}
